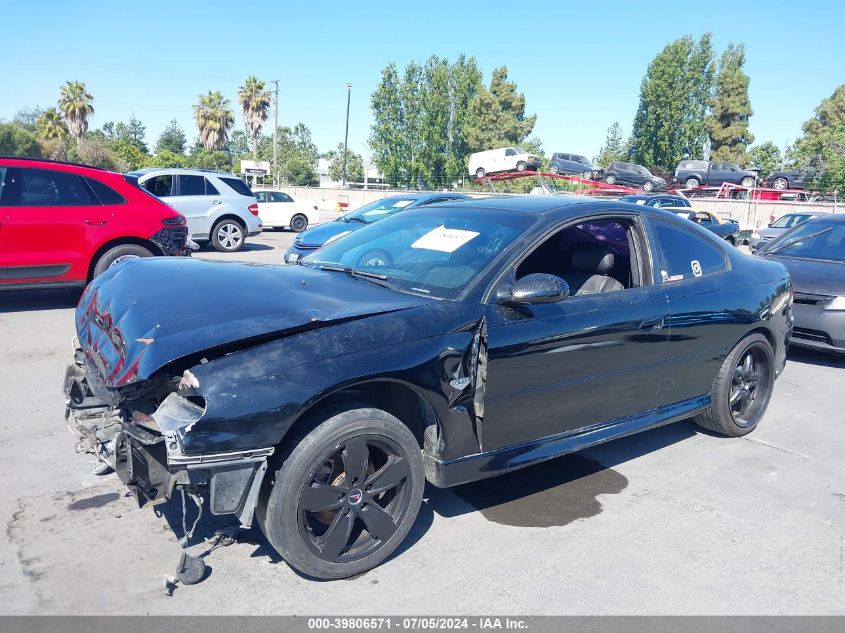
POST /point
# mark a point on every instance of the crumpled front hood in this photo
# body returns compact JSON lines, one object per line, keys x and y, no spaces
{"x":813,"y":276}
{"x":145,"y":313}
{"x":321,"y":233}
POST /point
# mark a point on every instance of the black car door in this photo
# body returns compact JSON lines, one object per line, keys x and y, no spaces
{"x":591,"y":358}
{"x":706,"y":315}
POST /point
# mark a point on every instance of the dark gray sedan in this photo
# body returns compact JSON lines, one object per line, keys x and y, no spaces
{"x":814,"y":255}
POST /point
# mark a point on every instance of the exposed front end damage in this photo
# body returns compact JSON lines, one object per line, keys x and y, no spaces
{"x":140,"y":438}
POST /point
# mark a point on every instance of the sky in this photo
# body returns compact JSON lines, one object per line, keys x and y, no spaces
{"x":579,"y":64}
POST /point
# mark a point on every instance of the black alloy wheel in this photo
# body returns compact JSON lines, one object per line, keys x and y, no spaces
{"x":355,"y":499}
{"x":749,"y":375}
{"x":298,"y":223}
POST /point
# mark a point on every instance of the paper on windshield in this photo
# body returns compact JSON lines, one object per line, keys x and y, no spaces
{"x":444,"y":240}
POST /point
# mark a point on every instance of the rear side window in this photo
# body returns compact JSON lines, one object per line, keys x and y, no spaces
{"x":238,"y":185}
{"x":159,"y":185}
{"x":46,"y":188}
{"x":684,"y":254}
{"x":190,"y":185}
{"x":279,"y":196}
{"x":104,"y":193}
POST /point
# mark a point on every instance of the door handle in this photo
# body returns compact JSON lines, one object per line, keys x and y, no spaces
{"x":94,"y":222}
{"x":216,"y":202}
{"x":654,"y":323}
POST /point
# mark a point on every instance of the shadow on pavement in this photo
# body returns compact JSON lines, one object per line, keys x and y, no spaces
{"x":813,"y":357}
{"x":26,"y":300}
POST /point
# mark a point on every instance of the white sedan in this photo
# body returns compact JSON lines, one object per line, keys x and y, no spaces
{"x":278,"y":209}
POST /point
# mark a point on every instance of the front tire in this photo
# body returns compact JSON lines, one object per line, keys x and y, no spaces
{"x":587,"y":175}
{"x":520,"y":166}
{"x":610,"y":179}
{"x":346,"y":494}
{"x":648,"y":186}
{"x":742,"y":389}
{"x":228,"y":236}
{"x":747,"y":182}
{"x":118,"y":254}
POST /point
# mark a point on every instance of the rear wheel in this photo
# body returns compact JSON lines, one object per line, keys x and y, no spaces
{"x":228,"y":236}
{"x":692,"y":183}
{"x":118,"y":254}
{"x":780,"y":183}
{"x":298,"y":223}
{"x":480,"y":173}
{"x":346,"y":494}
{"x":742,"y":388}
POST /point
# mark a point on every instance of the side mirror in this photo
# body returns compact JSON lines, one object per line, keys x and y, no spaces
{"x":770,"y":224}
{"x":535,"y":288}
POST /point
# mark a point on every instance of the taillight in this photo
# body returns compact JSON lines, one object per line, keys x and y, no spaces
{"x":179,"y":220}
{"x":253,"y":209}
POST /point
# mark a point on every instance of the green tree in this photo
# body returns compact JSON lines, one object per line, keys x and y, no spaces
{"x":16,"y":140}
{"x":434,"y":122}
{"x":172,"y":139}
{"x":167,"y":158}
{"x":93,"y":151}
{"x":28,"y":118}
{"x":134,"y":134}
{"x":410,"y":95}
{"x":255,"y":102}
{"x":669,"y":123}
{"x":386,"y":131}
{"x":821,"y":150}
{"x":76,"y":106}
{"x":297,"y":154}
{"x":496,"y":116}
{"x":354,"y":165}
{"x":613,"y":148}
{"x":730,"y":109}
{"x":214,"y":118}
{"x":50,"y":125}
{"x":767,"y":157}
{"x":465,"y":81}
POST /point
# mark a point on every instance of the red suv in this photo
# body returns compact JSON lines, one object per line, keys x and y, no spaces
{"x":62,"y":224}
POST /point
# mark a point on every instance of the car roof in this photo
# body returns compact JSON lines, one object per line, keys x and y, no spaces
{"x":534,"y":204}
{"x":834,"y":218}
{"x":181,"y":170}
{"x":650,"y":196}
{"x":425,"y":195}
{"x":50,"y":161}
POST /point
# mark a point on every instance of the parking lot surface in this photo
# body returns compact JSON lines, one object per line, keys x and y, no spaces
{"x":671,"y":521}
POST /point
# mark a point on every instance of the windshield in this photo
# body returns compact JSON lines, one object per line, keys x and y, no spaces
{"x":813,"y":240}
{"x":377,"y":210}
{"x":788,"y":220}
{"x":436,"y":252}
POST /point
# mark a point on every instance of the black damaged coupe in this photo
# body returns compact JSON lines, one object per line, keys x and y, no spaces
{"x":320,"y":398}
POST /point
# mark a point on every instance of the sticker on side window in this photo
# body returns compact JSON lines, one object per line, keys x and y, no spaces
{"x":444,"y":240}
{"x":696,"y":267}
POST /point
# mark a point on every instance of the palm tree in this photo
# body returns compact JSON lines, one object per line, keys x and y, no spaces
{"x":50,"y":125}
{"x":214,"y":119}
{"x":255,"y":101}
{"x":75,"y":106}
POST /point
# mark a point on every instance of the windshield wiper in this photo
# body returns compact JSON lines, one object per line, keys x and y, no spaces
{"x":377,"y":278}
{"x":787,"y":244}
{"x":354,"y":219}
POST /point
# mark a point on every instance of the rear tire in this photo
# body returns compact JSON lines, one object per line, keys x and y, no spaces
{"x":228,"y":236}
{"x":298,"y":223}
{"x":780,"y":183}
{"x":117,"y":254}
{"x":480,"y":173}
{"x":345,"y":456}
{"x":737,"y":405}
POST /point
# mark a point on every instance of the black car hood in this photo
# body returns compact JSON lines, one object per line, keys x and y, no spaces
{"x":813,"y":276}
{"x":145,"y":313}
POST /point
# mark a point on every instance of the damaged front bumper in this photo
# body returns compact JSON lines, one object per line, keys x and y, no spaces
{"x":145,"y":448}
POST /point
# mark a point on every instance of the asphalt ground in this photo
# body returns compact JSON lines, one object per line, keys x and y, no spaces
{"x":671,"y":521}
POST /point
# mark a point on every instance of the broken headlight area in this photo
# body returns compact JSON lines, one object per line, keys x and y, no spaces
{"x":139,"y":432}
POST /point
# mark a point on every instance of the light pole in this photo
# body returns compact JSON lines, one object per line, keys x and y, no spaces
{"x":346,"y":136}
{"x":275,"y":82}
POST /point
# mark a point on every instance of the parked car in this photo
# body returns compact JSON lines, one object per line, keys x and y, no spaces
{"x":634,"y":175}
{"x":281,"y":210}
{"x":495,"y":161}
{"x":312,"y":239}
{"x":62,"y":224}
{"x":573,"y":164}
{"x":814,"y":254}
{"x":777,"y":228}
{"x":512,"y":331}
{"x":728,"y":230}
{"x":694,"y":173}
{"x":219,"y":207}
{"x":789,"y":179}
{"x":659,"y":201}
